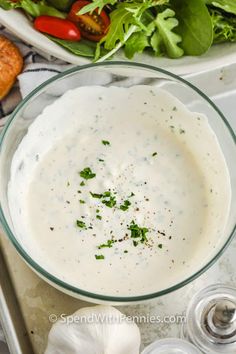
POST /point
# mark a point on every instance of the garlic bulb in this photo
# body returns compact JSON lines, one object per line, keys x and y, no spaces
{"x":94,"y":330}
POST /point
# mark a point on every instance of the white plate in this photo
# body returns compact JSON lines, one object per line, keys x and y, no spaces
{"x":217,"y":56}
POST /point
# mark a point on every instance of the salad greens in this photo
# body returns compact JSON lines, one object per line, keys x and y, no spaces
{"x":32,"y":8}
{"x":63,"y":5}
{"x":164,"y":39}
{"x":226,"y":5}
{"x":171,"y":28}
{"x":83,"y":48}
{"x":136,"y":43}
{"x":195,"y":26}
{"x":224,"y":30}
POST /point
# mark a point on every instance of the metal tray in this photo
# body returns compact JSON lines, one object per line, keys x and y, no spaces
{"x":26,"y":301}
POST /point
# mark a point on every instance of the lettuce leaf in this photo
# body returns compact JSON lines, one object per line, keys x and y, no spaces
{"x":32,"y":8}
{"x":126,"y":19}
{"x":63,"y":5}
{"x":226,"y":5}
{"x":36,"y":9}
{"x":7,"y":5}
{"x":195,"y":26}
{"x":125,"y":16}
{"x":121,"y":19}
{"x":96,"y":4}
{"x":133,"y":25}
{"x":136,"y":43}
{"x":82,"y":48}
{"x":224,"y":28}
{"x":99,"y":4}
{"x":164,"y":39}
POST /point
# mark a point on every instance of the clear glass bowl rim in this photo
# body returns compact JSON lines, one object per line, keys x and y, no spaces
{"x":51,"y":278}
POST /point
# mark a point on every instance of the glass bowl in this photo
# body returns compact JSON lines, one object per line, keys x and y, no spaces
{"x":123,"y":75}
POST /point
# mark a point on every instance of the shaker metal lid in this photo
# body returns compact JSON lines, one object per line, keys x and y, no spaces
{"x":211,"y":320}
{"x":220,"y":320}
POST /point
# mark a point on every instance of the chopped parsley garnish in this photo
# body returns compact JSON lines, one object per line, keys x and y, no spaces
{"x":109,"y":244}
{"x":135,"y":243}
{"x":181,"y":131}
{"x":82,"y":183}
{"x":125,"y":251}
{"x":99,"y":256}
{"x":87,"y":173}
{"x":68,"y":184}
{"x":81,"y":224}
{"x":109,"y":200}
{"x":106,"y":194}
{"x":96,"y":195}
{"x":154,"y":154}
{"x":125,"y":205}
{"x":160,"y":245}
{"x":99,"y":217}
{"x":100,"y":160}
{"x":138,"y":232}
{"x":106,"y":142}
{"x":82,"y":201}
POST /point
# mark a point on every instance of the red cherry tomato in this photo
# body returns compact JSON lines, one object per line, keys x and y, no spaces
{"x":92,"y":26}
{"x":57,"y":27}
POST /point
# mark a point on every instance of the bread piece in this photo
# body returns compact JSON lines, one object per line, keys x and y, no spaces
{"x":11,"y":63}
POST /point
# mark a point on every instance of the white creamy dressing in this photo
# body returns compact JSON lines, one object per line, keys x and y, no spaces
{"x":165,"y":155}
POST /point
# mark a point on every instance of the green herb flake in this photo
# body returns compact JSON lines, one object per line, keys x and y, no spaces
{"x":81,"y":224}
{"x":99,"y":217}
{"x":68,"y":184}
{"x":99,"y":256}
{"x":109,"y":244}
{"x":107,"y":194}
{"x":96,"y":195}
{"x":160,"y":245}
{"x":82,"y":201}
{"x":154,"y":154}
{"x":110,"y":203}
{"x":138,"y":232}
{"x":87,"y":173}
{"x":106,"y":142}
{"x":125,"y":206}
{"x":107,"y":198}
{"x":125,"y":251}
{"x":82,"y":184}
{"x":181,"y":131}
{"x":100,"y":160}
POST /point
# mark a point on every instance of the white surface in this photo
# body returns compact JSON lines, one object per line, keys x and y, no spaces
{"x":217,"y":56}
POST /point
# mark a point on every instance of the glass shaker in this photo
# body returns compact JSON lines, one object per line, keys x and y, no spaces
{"x":211,"y":320}
{"x":171,"y":346}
